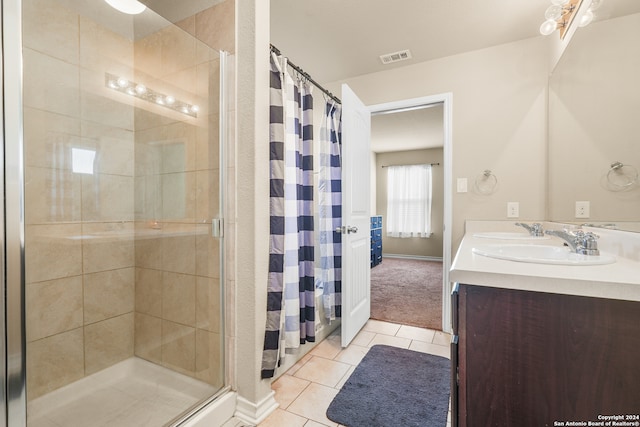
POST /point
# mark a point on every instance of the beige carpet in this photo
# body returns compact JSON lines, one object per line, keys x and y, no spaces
{"x":408,"y":292}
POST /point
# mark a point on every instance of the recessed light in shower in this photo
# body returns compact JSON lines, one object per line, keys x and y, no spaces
{"x":130,"y":7}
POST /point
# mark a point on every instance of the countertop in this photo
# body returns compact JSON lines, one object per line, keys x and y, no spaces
{"x":620,"y":280}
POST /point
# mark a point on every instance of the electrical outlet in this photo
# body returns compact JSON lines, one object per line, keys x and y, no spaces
{"x":513,"y":209}
{"x":582,"y":209}
{"x":462,"y":185}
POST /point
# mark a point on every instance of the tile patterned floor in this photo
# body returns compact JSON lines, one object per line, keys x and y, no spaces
{"x":305,"y":391}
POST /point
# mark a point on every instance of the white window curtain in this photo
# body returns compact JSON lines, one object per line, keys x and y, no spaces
{"x":409,"y":201}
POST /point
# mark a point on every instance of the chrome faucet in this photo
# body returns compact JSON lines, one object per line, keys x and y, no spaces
{"x":579,"y":241}
{"x":534,"y":229}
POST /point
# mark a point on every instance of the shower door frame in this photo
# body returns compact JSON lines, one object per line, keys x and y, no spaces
{"x":3,"y":350}
{"x":13,"y":409}
{"x":14,"y":278}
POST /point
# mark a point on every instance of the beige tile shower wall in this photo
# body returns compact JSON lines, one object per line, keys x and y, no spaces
{"x":79,"y":224}
{"x":177,"y":310}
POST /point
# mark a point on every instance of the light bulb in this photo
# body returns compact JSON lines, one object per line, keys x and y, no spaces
{"x":131,"y":91}
{"x":586,"y":18}
{"x":159,"y":100}
{"x":595,"y":4}
{"x":141,"y":89}
{"x":548,"y":27}
{"x":169,"y":99}
{"x":559,"y":2}
{"x":195,"y":108}
{"x":113,"y":84}
{"x":553,"y":12}
{"x":130,"y":7}
{"x":122,"y":82}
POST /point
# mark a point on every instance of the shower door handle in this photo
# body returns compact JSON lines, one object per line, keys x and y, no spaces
{"x":217,"y":227}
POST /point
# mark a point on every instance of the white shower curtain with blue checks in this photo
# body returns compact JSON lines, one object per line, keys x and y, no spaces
{"x":330,"y":211}
{"x":291,"y":291}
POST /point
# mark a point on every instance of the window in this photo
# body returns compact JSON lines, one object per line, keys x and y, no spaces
{"x":409,"y":201}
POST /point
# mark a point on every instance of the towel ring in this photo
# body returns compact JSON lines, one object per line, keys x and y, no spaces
{"x":486,"y":183}
{"x":622,"y":176}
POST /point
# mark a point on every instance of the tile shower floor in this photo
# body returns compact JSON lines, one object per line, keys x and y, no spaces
{"x":305,"y":391}
{"x":132,"y":393}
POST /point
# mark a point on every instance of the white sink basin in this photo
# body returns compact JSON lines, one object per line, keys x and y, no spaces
{"x":506,"y":235}
{"x":541,"y":254}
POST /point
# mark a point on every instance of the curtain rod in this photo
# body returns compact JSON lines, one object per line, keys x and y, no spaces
{"x":430,"y":164}
{"x":306,"y":76}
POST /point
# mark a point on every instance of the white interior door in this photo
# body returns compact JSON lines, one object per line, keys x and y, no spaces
{"x":356,"y":215}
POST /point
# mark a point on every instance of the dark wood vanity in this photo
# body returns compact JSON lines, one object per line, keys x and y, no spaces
{"x":524,"y":358}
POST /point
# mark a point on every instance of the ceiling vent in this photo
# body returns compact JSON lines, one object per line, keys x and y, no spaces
{"x":395,"y":56}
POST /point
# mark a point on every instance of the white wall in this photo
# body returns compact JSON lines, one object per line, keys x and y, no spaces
{"x":252,"y":201}
{"x":499,"y":121}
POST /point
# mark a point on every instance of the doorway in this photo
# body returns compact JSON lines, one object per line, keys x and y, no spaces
{"x":406,"y":287}
{"x":392,"y":126}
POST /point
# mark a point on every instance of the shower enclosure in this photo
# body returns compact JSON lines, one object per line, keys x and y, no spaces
{"x":114,"y":129}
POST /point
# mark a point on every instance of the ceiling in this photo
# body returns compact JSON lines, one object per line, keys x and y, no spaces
{"x":337,"y":39}
{"x":334,"y":40}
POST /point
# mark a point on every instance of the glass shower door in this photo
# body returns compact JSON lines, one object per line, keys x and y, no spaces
{"x":122,"y":280}
{"x":3,"y":350}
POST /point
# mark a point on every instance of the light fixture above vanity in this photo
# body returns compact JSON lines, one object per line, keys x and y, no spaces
{"x":140,"y":91}
{"x":130,"y":7}
{"x":562,"y":14}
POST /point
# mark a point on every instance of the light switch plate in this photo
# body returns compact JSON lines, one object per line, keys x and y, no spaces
{"x":462,"y":185}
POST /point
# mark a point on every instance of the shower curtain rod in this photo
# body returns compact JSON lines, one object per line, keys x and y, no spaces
{"x":430,"y":164}
{"x":306,"y":76}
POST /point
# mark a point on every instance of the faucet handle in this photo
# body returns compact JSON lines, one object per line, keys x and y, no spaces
{"x":591,"y":240}
{"x":534,"y":229}
{"x":587,"y":243}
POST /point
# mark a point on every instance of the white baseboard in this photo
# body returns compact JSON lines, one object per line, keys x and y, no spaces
{"x":418,"y":257}
{"x":216,"y":413}
{"x":255,"y":413}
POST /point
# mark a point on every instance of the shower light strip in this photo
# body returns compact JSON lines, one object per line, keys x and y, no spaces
{"x":140,"y":91}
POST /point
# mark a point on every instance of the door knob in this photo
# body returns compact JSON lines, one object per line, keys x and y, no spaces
{"x":347,"y":229}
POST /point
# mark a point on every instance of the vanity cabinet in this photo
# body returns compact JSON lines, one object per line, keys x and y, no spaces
{"x":523,"y":358}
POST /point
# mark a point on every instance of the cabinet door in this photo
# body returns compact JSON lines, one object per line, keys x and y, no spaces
{"x":530,"y":358}
{"x":454,"y":355}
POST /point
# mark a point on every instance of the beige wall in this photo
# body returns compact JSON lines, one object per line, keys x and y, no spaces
{"x":499,"y":121}
{"x":96,"y":293}
{"x":431,"y":247}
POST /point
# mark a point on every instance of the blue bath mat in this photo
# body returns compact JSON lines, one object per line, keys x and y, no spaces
{"x":394,"y":387}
